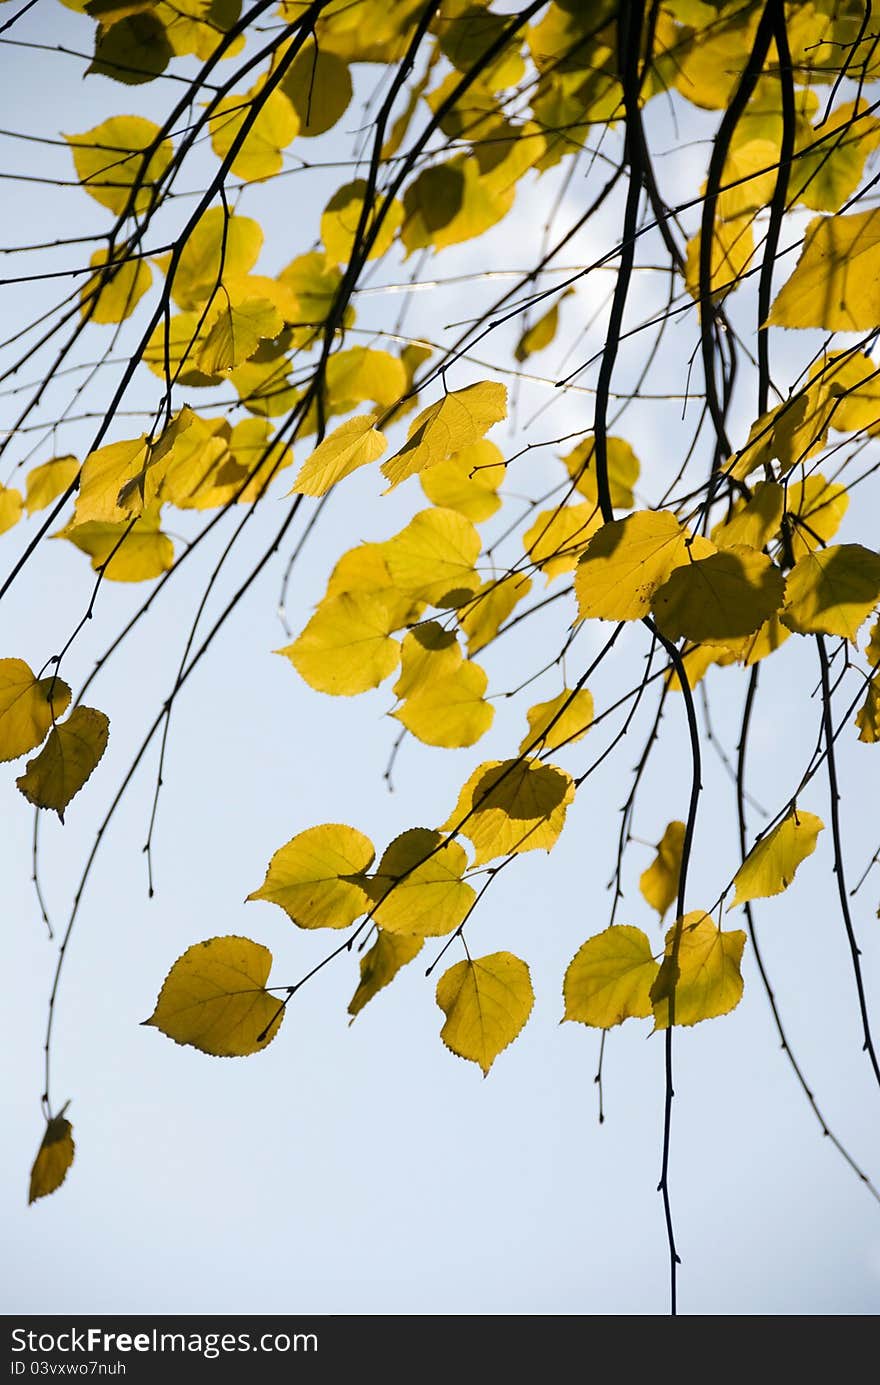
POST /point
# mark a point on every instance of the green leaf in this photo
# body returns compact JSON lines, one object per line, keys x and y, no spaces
{"x":318,"y":878}
{"x":772,"y":862}
{"x":214,"y":999}
{"x":486,"y":1002}
{"x":71,"y":752}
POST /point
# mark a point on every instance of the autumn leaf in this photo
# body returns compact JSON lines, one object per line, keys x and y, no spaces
{"x":353,"y":444}
{"x":486,"y":1002}
{"x":706,"y":980}
{"x":72,"y":750}
{"x":28,"y":707}
{"x":832,"y":591}
{"x":659,"y":883}
{"x":418,"y":887}
{"x":609,"y":978}
{"x":318,"y":878}
{"x":54,"y":1158}
{"x":214,"y":999}
{"x":457,"y":421}
{"x":771,"y":864}
{"x":381,"y":963}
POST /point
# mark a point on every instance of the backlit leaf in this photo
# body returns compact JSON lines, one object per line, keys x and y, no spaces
{"x":815,"y":508}
{"x":428,"y":652}
{"x":10,"y":507}
{"x":110,"y":163}
{"x":26,"y":712}
{"x":418,"y":887}
{"x":346,"y":647}
{"x":451,"y":709}
{"x":725,"y":596}
{"x":868,"y":715}
{"x":127,"y":551}
{"x":71,"y":752}
{"x":832,"y":590}
{"x":467,"y":481}
{"x":489,"y":607}
{"x":318,"y":877}
{"x":707,"y":980}
{"x":221,"y":244}
{"x":754,"y":521}
{"x":261,"y":153}
{"x":451,"y":203}
{"x":46,"y":482}
{"x":509,"y":806}
{"x":362,"y":373}
{"x":772,"y":862}
{"x":133,"y":50}
{"x":54,"y":1158}
{"x":623,"y":470}
{"x":541,"y":333}
{"x":456,"y":421}
{"x":836,"y":284}
{"x":341,"y":219}
{"x":214,"y":998}
{"x":113,"y":295}
{"x":353,"y":444}
{"x":570,"y":713}
{"x":659,"y":883}
{"x":104,"y":475}
{"x":433,"y":557}
{"x":558,"y":536}
{"x":626,"y":561}
{"x":236,"y":334}
{"x":380,"y":965}
{"x":486,"y":1002}
{"x":609,"y":978}
{"x":318,"y":85}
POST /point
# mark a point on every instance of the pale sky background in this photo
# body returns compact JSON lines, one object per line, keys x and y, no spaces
{"x":365,"y":1169}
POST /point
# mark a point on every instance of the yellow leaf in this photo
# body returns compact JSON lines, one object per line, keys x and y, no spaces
{"x":346,"y":647}
{"x":318,"y":85}
{"x":609,"y":978}
{"x":755,"y":647}
{"x":707,"y":980}
{"x":428,"y":652}
{"x":486,"y":1003}
{"x":725,"y":596}
{"x":26,"y":712}
{"x":456,"y":421}
{"x":541,"y":333}
{"x":623,"y":470}
{"x":573,"y":713}
{"x":261,"y":154}
{"x":733,"y":246}
{"x":659,"y":883}
{"x":71,"y":752}
{"x":46,"y":482}
{"x":433,"y":557}
{"x":133,"y":50}
{"x":832,"y":590}
{"x":815,"y":508}
{"x":353,"y":444}
{"x":559,"y":536}
{"x":341,"y":218}
{"x":10,"y":508}
{"x":128,"y":551}
{"x":197,"y":26}
{"x":221,"y":244}
{"x":54,"y":1158}
{"x":772,"y":862}
{"x":489,"y":607}
{"x":467,"y":481}
{"x":104,"y":475}
{"x":364,"y":373}
{"x":318,"y":877}
{"x":315,"y":280}
{"x":790,"y":433}
{"x":854,"y":383}
{"x":508,"y":806}
{"x":174,"y":346}
{"x":214,"y":999}
{"x":626,"y":561}
{"x":698,"y":659}
{"x":254,"y":459}
{"x":868,"y":715}
{"x":418,"y":887}
{"x":112,"y":294}
{"x":872,"y":648}
{"x":451,"y":203}
{"x":451,"y":710}
{"x":836,"y":283}
{"x":826,"y":175}
{"x":380,"y":965}
{"x":237,"y":333}
{"x":754,"y":521}
{"x":111,"y":165}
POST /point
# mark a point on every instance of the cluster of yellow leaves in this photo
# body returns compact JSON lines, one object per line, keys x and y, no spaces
{"x":29,"y":712}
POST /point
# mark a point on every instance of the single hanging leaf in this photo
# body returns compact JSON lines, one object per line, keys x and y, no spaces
{"x":623,"y":470}
{"x":754,"y":522}
{"x":133,"y":50}
{"x":541,"y":333}
{"x":510,"y":806}
{"x":481,"y":617}
{"x":659,"y":883}
{"x":836,"y":283}
{"x":486,"y":1002}
{"x":708,"y":982}
{"x":71,"y":752}
{"x":772,"y":862}
{"x":347,"y":648}
{"x":571,"y":714}
{"x":433,"y":557}
{"x":26,"y":713}
{"x":625,"y":563}
{"x":139,"y":549}
{"x":609,"y":978}
{"x":467,"y":481}
{"x":46,"y":482}
{"x":353,"y":444}
{"x":428,"y":652}
{"x":341,"y":218}
{"x":868,"y":715}
{"x":832,"y":591}
{"x":112,"y":296}
{"x":54,"y":1158}
{"x":111,"y":165}
{"x":380,"y":965}
{"x":104,"y":478}
{"x":815,"y":509}
{"x":236,"y":334}
{"x":318,"y":878}
{"x":362,"y":373}
{"x":560,"y":535}
{"x":214,"y":999}
{"x":318,"y":86}
{"x":261,"y":155}
{"x":725,"y":596}
{"x":10,"y":507}
{"x":451,"y":710}
{"x":418,"y":887}
{"x":220,"y":245}
{"x":457,"y":421}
